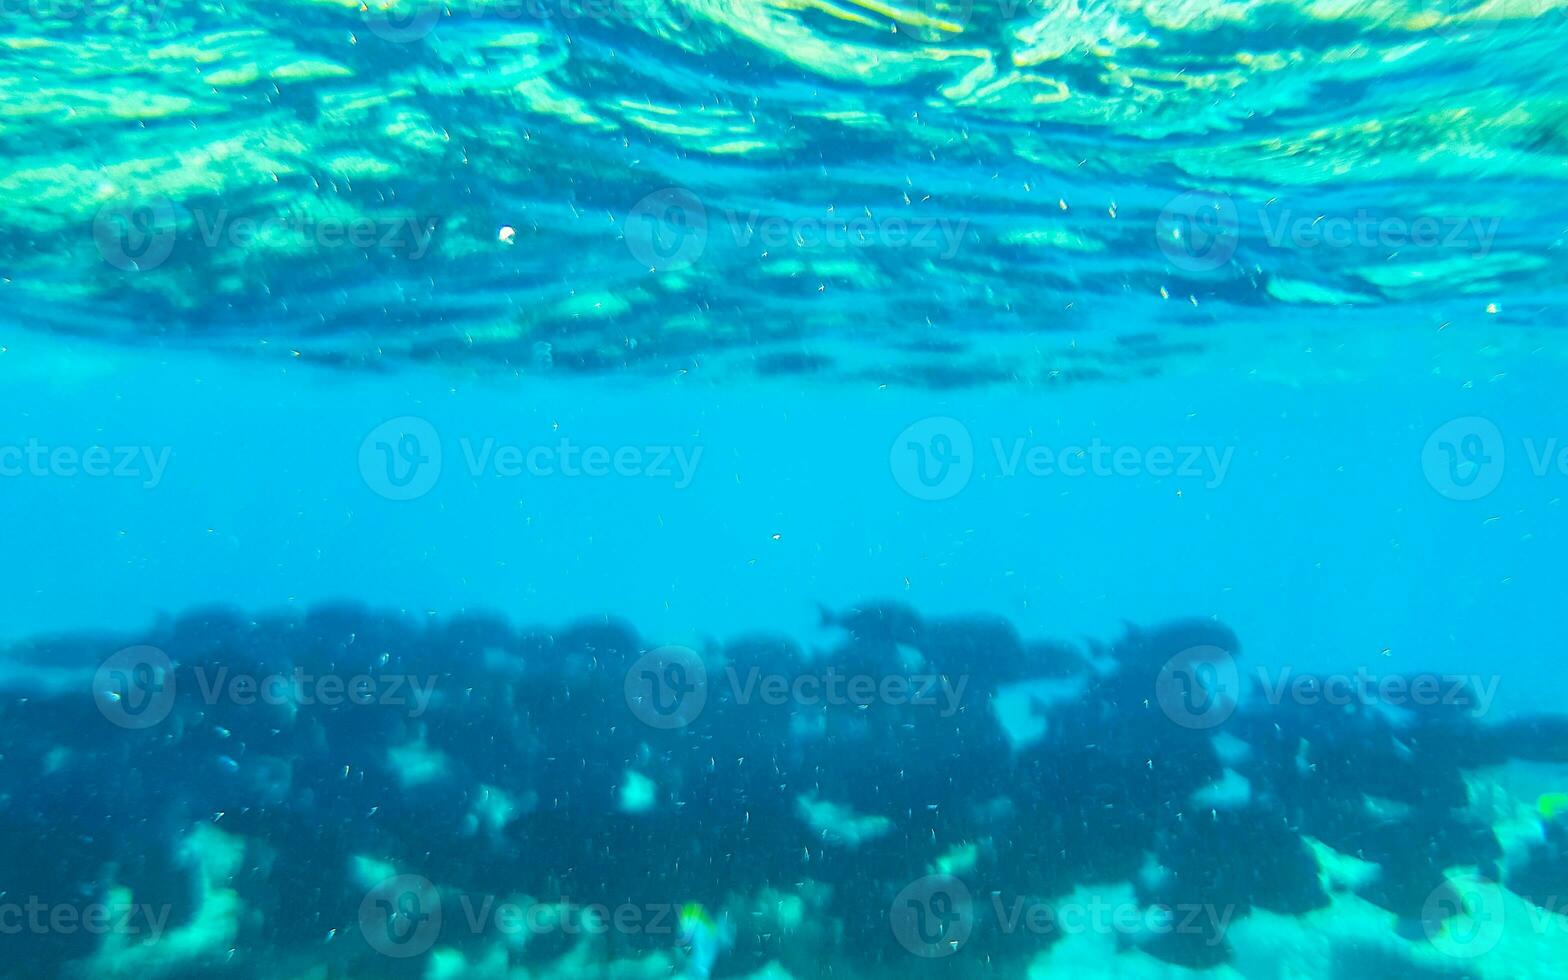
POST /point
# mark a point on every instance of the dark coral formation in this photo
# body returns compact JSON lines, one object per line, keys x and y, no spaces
{"x":543,"y":718}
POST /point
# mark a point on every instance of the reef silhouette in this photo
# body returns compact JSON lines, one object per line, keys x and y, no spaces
{"x":582,"y":766}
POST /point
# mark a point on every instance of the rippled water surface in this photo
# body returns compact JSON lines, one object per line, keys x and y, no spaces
{"x":936,"y":193}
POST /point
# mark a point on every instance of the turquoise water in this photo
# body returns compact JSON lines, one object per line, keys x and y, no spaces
{"x":462,"y":460}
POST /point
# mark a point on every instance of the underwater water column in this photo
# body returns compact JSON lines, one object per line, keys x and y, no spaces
{"x":703,"y":488}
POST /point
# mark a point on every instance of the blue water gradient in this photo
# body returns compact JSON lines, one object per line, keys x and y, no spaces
{"x":1331,"y":538}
